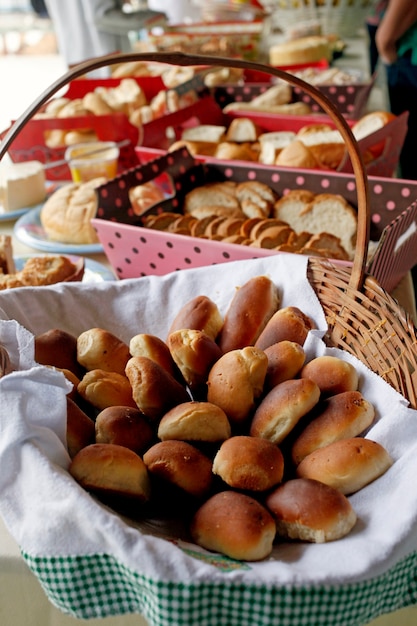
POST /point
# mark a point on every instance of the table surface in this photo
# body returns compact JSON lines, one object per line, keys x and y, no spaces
{"x":21,"y":596}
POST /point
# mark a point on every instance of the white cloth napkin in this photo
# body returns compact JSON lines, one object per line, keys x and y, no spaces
{"x":48,"y":514}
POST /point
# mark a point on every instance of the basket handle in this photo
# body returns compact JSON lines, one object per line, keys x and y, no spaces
{"x":181,"y":59}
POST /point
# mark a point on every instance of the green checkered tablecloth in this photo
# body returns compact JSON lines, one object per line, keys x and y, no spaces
{"x":99,"y":586}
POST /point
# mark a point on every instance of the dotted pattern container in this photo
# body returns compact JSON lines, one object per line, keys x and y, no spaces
{"x":135,"y":251}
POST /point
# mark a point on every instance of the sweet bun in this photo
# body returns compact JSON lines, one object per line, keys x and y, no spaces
{"x":154,"y":348}
{"x":154,"y":390}
{"x":332,"y":374}
{"x":342,"y":416}
{"x":181,"y":464}
{"x":111,"y":470}
{"x":58,"y":348}
{"x":80,"y":428}
{"x":125,"y":426}
{"x":250,"y":309}
{"x":195,"y":421}
{"x":347,"y":465}
{"x":236,"y":525}
{"x":283,"y":407}
{"x":66,"y":215}
{"x":294,"y":506}
{"x":194,"y":353}
{"x":98,"y":348}
{"x":236,"y":381}
{"x":285,"y":360}
{"x":249,"y":463}
{"x":102,"y":389}
{"x":199,"y":313}
{"x":287,"y":324}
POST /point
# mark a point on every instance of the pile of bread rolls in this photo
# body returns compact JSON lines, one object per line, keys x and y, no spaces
{"x":128,"y":98}
{"x":251,"y":213}
{"x":225,"y":417}
{"x":316,"y":145}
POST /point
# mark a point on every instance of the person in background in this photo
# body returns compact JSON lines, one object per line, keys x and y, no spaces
{"x":78,"y":38}
{"x":396,"y":41}
{"x":372,"y":23}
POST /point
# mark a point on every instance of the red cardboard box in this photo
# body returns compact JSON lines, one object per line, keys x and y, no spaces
{"x":135,"y":251}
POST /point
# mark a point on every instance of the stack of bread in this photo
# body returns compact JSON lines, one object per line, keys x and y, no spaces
{"x":226,"y":417}
{"x":251,"y":213}
{"x":128,"y":98}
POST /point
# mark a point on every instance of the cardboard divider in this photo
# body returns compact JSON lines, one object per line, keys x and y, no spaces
{"x":134,"y":251}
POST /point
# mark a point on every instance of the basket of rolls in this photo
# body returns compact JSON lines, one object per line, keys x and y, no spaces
{"x":217,"y":445}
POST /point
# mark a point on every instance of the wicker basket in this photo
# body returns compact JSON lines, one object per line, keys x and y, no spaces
{"x":362,"y":318}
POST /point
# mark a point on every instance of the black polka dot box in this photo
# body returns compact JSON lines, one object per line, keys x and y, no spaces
{"x":136,"y":248}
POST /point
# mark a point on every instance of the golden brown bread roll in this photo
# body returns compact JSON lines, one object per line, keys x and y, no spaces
{"x":154,"y":390}
{"x":347,"y":465}
{"x":249,"y":463}
{"x":98,"y":348}
{"x":250,"y":310}
{"x":236,"y":381}
{"x":294,"y":506}
{"x":200,"y":313}
{"x":283,"y":407}
{"x":195,"y":421}
{"x":181,"y":464}
{"x":102,"y":389}
{"x":236,"y":525}
{"x":332,"y":374}
{"x":287,"y":324}
{"x":194,"y":353}
{"x":58,"y":347}
{"x":154,"y":348}
{"x":125,"y":426}
{"x":285,"y":360}
{"x":297,"y":155}
{"x":80,"y":428}
{"x":342,"y":416}
{"x":111,"y":470}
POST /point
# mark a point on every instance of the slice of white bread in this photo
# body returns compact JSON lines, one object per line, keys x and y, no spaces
{"x":326,"y":213}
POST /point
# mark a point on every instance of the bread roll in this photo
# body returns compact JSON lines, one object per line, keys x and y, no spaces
{"x":251,"y":308}
{"x":194,"y":353}
{"x":249,"y":463}
{"x":236,"y":381}
{"x":151,"y":346}
{"x":98,"y":348}
{"x":124,"y":426}
{"x":231,"y":151}
{"x":297,"y":155}
{"x":236,"y":525}
{"x":199,"y":313}
{"x":282,"y":408}
{"x":347,"y":465}
{"x":66,"y":215}
{"x":181,"y":464}
{"x":111,"y":470}
{"x":342,"y":416}
{"x":58,"y":347}
{"x":195,"y":421}
{"x":332,"y":374}
{"x":285,"y":360}
{"x":154,"y":390}
{"x":294,"y":505}
{"x":287,"y":324}
{"x":102,"y":389}
{"x":80,"y":428}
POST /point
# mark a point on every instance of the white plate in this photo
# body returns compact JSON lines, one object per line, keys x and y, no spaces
{"x":28,"y":229}
{"x":94,"y":272}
